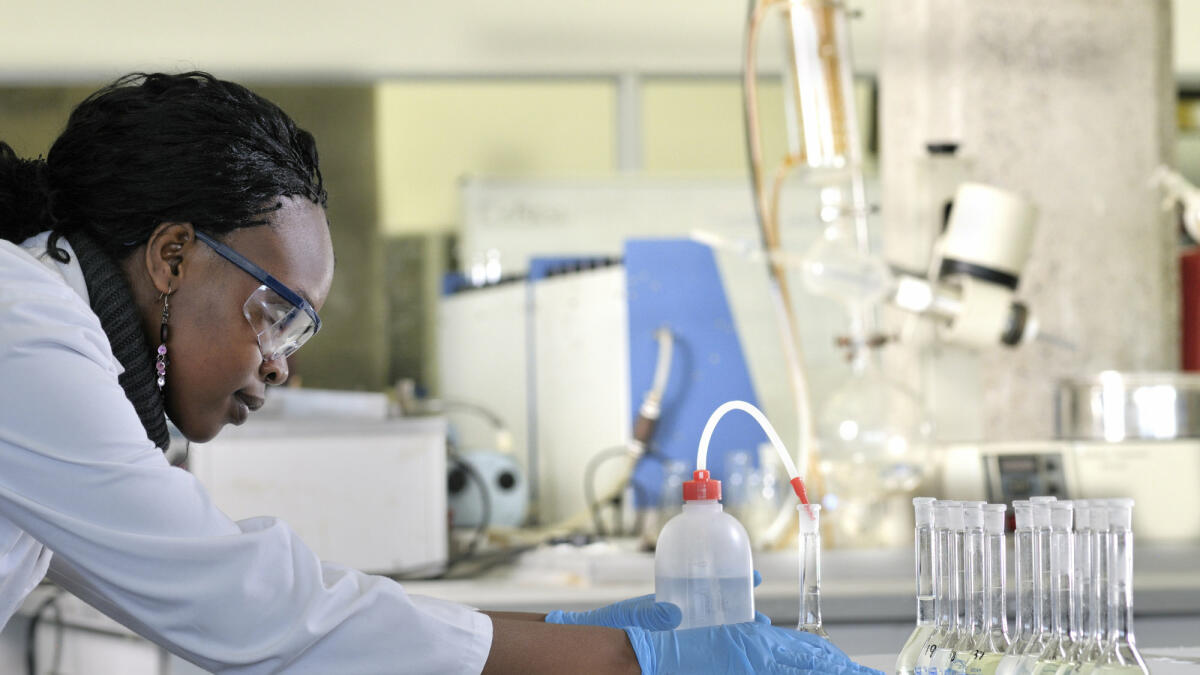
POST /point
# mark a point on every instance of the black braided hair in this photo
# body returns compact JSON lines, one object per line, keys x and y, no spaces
{"x":154,"y":148}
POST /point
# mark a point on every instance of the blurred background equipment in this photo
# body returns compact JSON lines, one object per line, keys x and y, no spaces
{"x":359,"y":488}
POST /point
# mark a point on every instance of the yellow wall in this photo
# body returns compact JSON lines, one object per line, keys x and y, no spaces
{"x":694,"y":125}
{"x":432,"y":133}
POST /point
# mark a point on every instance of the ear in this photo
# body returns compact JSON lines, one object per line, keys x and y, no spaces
{"x":168,"y":251}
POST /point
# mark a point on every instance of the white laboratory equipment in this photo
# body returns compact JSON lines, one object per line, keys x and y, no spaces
{"x":368,"y":493}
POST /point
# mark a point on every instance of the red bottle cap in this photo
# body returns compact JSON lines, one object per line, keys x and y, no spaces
{"x":701,"y":487}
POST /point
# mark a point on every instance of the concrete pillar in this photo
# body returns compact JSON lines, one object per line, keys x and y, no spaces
{"x":1070,"y":103}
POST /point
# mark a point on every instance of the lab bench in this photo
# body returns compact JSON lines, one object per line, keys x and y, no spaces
{"x":867,"y":602}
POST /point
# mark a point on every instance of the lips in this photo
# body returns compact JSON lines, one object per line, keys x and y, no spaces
{"x":243,"y":405}
{"x":252,"y":403}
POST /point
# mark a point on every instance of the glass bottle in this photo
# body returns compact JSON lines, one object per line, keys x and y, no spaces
{"x":1024,"y":574}
{"x":923,"y":539}
{"x":973,"y":590}
{"x":1081,"y":589}
{"x":943,"y":656}
{"x":945,"y":598}
{"x":810,"y":569}
{"x":1120,"y":653}
{"x":993,"y":643}
{"x":1062,"y":572}
{"x":1097,"y":628}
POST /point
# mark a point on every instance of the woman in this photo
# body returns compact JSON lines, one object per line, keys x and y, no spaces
{"x":163,"y":260}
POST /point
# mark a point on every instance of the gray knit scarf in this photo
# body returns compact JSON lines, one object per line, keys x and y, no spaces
{"x":112,"y":301}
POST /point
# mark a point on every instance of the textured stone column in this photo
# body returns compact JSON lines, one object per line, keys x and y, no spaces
{"x":1070,"y":103}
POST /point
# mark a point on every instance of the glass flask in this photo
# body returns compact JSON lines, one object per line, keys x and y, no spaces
{"x":1120,"y":652}
{"x":1097,"y":628}
{"x":1062,"y":572}
{"x":873,"y":433}
{"x":1081,"y":588}
{"x":945,"y":598}
{"x":1026,"y":598}
{"x":923,"y":538}
{"x":1043,"y":617}
{"x":810,"y":569}
{"x":993,"y":643}
{"x":973,"y":590}
{"x":939,"y":662}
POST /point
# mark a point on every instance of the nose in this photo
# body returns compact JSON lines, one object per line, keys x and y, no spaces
{"x":274,"y":371}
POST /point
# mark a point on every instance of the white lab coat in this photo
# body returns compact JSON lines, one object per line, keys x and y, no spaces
{"x":141,"y":541}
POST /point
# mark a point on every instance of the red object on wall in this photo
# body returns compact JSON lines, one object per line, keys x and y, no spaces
{"x":1189,"y":285}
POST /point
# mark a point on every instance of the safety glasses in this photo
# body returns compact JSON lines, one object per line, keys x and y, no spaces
{"x":282,"y":320}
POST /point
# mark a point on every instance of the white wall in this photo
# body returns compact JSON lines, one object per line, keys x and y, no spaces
{"x":363,"y":39}
{"x":73,"y":40}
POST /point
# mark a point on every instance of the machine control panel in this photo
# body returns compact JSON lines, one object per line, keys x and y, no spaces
{"x":1021,"y":476}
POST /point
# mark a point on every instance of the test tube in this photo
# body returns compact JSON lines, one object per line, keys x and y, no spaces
{"x":993,"y":642}
{"x":944,"y":601}
{"x":1081,"y":589}
{"x":1097,"y":628}
{"x":1121,"y":654}
{"x":943,"y":656}
{"x":810,"y":570}
{"x":1062,"y":570}
{"x":1025,"y":572}
{"x":923,"y":540}
{"x":971,"y":628}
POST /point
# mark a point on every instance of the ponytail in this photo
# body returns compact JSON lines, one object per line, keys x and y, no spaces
{"x":24,"y":198}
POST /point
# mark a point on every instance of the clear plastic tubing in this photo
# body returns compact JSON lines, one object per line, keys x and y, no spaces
{"x":923,"y":536}
{"x":1024,"y":573}
{"x":702,"y":452}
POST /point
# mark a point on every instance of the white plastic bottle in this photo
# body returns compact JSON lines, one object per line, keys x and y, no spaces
{"x":703,"y":562}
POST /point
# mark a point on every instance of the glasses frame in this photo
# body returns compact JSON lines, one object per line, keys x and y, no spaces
{"x":243,"y":263}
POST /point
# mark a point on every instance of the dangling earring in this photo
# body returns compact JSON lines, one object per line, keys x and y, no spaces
{"x":160,"y":362}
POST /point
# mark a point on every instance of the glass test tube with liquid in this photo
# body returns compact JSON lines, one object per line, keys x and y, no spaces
{"x":973,"y":591}
{"x":923,"y":538}
{"x":993,"y":643}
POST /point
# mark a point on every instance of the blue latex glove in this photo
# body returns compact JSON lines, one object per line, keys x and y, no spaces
{"x":739,"y":648}
{"x":639,"y":612}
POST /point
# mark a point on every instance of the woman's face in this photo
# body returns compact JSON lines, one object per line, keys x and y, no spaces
{"x":217,"y":374}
